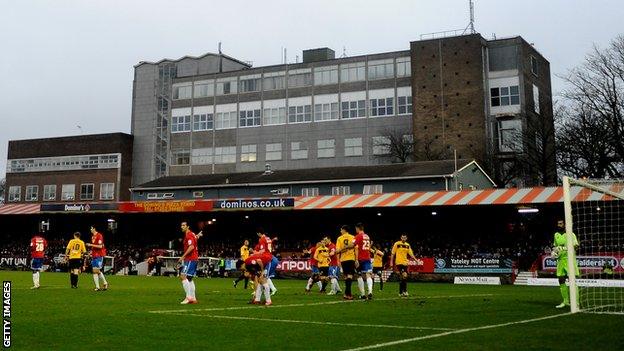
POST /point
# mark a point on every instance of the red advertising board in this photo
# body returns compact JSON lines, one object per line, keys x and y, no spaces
{"x":294,"y":265}
{"x":166,"y":206}
{"x":421,"y":265}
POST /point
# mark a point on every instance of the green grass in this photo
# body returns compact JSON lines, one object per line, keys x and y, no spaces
{"x":56,"y":317}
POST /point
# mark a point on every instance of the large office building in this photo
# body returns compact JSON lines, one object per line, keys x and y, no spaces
{"x":461,"y":96}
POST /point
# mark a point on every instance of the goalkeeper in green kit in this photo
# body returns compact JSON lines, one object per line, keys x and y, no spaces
{"x":560,"y":252}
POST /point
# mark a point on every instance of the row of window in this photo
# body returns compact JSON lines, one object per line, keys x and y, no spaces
{"x":349,"y":72}
{"x":299,"y":150}
{"x":64,"y":163}
{"x":291,"y":114}
{"x":338,"y":190}
{"x":68,"y":192}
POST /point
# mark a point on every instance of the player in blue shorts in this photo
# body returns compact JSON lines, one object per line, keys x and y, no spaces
{"x":269,"y":271}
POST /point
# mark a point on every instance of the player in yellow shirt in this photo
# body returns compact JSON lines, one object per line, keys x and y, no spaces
{"x":377,"y":263}
{"x":74,"y":251}
{"x":321,"y":255}
{"x":347,"y":256}
{"x":401,"y":253}
{"x":244,"y":253}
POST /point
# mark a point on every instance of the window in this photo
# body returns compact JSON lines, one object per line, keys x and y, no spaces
{"x":276,"y":115}
{"x":49,"y":192}
{"x":225,"y":120}
{"x":107,"y":191}
{"x":274,"y":80}
{"x":353,"y":109}
{"x":326,"y":75}
{"x":68,"y":192}
{"x":273,"y":152}
{"x":298,"y":150}
{"x":309,"y":191}
{"x":380,"y":69}
{"x":202,"y":156}
{"x":203,"y":89}
{"x":249,"y":118}
{"x":404,"y":66}
{"x":248,"y":153}
{"x":326,"y":148}
{"x":341,"y":190}
{"x":352,"y":72}
{"x":32,"y":193}
{"x":326,"y":112}
{"x":404,"y":105}
{"x":180,"y":157}
{"x":382,"y":107}
{"x":64,"y":163}
{"x":182,"y":91}
{"x":299,"y":114}
{"x":353,"y":147}
{"x":505,"y":96}
{"x":373,"y":189}
{"x":202,"y":121}
{"x":536,"y":104}
{"x":226,"y":86}
{"x":225,"y":154}
{"x":180,"y":124}
{"x":86,"y":191}
{"x":509,"y":134}
{"x":381,"y":145}
{"x":300,"y":78}
{"x":250,"y":83}
{"x":534,"y":66}
{"x":15,"y":193}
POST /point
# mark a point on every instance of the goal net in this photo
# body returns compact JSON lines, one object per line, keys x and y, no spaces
{"x":594,"y":211}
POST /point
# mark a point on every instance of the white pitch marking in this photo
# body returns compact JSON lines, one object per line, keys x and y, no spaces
{"x":457,"y":331}
{"x":311,"y":322}
{"x":318,"y":303}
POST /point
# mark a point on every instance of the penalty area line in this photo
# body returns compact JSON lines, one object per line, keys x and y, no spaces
{"x":320,"y":303}
{"x":310,"y":322}
{"x":457,"y":331}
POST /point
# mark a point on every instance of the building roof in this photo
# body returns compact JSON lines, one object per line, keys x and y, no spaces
{"x":424,"y":169}
{"x":192,"y":58}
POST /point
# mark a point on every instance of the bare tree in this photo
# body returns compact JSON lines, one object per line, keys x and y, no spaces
{"x":401,"y":147}
{"x":2,"y":189}
{"x":591,"y":136}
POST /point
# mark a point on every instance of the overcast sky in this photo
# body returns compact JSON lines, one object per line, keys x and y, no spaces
{"x":65,"y":64}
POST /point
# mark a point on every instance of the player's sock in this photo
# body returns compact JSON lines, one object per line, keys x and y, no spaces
{"x":271,"y":285}
{"x":185,"y":285}
{"x":96,"y":280}
{"x":35,"y":278}
{"x":258,"y":292}
{"x":192,"y":289}
{"x":361,"y":285}
{"x":369,"y":284}
{"x":246,"y":282}
{"x":565,"y":293}
{"x":348,"y":282}
{"x":380,"y":282}
{"x":320,"y":285}
{"x":267,"y":292}
{"x":324,"y":285}
{"x":101,"y":275}
{"x":310,"y":282}
{"x":402,"y":286}
{"x":73,"y":279}
{"x":334,"y":285}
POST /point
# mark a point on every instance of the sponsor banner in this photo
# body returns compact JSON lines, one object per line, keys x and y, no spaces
{"x":473,"y":265}
{"x":593,"y":263}
{"x":14,"y":262}
{"x":294,"y":265}
{"x":166,"y":206}
{"x":79,"y":207}
{"x":590,"y":283}
{"x":421,"y":265}
{"x":254,"y":204}
{"x":478,"y":280}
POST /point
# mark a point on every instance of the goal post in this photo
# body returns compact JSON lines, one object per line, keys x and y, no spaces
{"x":594,"y":212}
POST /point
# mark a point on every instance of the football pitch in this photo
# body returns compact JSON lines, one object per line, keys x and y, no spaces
{"x":143,"y":313}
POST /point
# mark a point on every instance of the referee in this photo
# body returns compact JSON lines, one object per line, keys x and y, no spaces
{"x":75,"y":250}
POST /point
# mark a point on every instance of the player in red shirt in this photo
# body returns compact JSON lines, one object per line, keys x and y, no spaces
{"x":98,"y":251}
{"x":265,"y":244}
{"x":189,"y":263}
{"x":255,"y":265}
{"x":365,"y":267}
{"x":315,"y":277}
{"x":334,"y":267}
{"x":38,"y":246}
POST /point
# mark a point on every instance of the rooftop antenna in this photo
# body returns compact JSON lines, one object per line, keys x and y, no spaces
{"x":220,"y":48}
{"x":220,"y":59}
{"x":296,"y":58}
{"x":79,"y":128}
{"x":470,"y":28}
{"x":344,"y":52}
